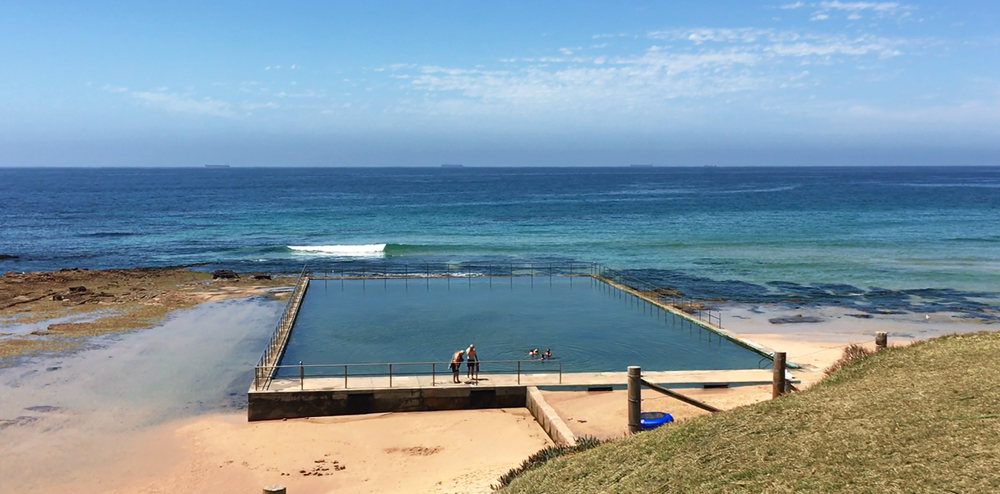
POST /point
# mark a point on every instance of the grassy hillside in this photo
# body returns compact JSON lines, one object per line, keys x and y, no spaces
{"x":923,"y":418}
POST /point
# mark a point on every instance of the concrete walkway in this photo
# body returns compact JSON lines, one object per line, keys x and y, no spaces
{"x":575,"y":379}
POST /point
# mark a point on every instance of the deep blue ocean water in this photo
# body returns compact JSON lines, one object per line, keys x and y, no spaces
{"x":739,"y":233}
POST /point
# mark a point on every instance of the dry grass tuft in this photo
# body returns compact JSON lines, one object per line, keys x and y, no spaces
{"x":853,"y":353}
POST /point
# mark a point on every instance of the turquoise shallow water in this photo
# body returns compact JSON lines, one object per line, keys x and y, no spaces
{"x":776,"y":229}
{"x":587,"y":326}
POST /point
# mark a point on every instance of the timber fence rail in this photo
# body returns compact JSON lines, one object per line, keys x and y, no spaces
{"x":363,"y":372}
{"x":279,"y":338}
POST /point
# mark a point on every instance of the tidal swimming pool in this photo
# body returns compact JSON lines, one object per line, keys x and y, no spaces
{"x":589,"y":325}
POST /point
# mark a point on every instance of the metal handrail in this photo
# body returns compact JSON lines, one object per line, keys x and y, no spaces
{"x":272,"y":369}
{"x":713,"y":316}
{"x":274,"y":343}
{"x":465,"y":270}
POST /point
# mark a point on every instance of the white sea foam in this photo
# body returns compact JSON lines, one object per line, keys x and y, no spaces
{"x":342,"y":250}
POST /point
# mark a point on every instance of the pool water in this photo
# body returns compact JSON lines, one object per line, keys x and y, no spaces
{"x":588,"y":325}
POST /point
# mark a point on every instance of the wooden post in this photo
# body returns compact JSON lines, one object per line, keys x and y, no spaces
{"x":274,"y":489}
{"x":881,"y":340}
{"x":778,"y":386}
{"x":634,"y":398}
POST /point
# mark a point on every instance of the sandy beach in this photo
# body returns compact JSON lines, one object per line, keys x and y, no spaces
{"x":162,"y":409}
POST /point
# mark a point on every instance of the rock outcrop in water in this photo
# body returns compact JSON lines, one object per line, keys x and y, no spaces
{"x":6,"y":257}
{"x":224,"y":274}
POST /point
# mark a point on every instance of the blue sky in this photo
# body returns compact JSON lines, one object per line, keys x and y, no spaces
{"x":499,"y":83}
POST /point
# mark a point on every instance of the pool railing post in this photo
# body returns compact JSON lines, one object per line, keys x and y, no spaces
{"x":390,"y":375}
{"x":634,"y":398}
{"x":778,"y":384}
{"x":345,"y":376}
{"x":433,"y":373}
{"x":560,"y":372}
{"x":881,"y":340}
{"x":519,"y":372}
{"x":302,"y":376}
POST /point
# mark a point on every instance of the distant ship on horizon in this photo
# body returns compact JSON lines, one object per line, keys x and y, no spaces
{"x":217,"y":166}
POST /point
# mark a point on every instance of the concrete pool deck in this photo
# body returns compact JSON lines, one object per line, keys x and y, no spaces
{"x":569,"y":380}
{"x":319,"y":397}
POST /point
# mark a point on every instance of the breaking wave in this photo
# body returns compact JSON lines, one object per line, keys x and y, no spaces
{"x":363,"y":250}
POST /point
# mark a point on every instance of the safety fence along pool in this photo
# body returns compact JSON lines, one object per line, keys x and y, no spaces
{"x":405,"y":374}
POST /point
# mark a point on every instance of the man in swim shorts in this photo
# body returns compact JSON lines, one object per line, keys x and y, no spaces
{"x":456,"y":365}
{"x":472,"y":367}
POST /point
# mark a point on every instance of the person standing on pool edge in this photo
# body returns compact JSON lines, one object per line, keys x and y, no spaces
{"x":472,"y":367}
{"x":456,"y":366}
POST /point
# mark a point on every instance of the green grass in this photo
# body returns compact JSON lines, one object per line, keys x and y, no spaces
{"x":921,"y":418}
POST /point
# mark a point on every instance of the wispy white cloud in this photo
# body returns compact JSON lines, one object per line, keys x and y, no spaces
{"x":819,"y":17}
{"x":702,"y":35}
{"x":792,"y":5}
{"x":255,"y":106}
{"x":303,"y":94}
{"x":787,"y":43}
{"x":856,"y":6}
{"x":695,"y":63}
{"x":656,"y":75}
{"x":854,"y":9}
{"x":179,"y":103}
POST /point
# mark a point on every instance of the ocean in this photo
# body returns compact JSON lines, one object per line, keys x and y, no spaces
{"x":742,"y":234}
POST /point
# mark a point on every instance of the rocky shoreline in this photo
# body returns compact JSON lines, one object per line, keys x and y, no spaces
{"x":82,"y":302}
